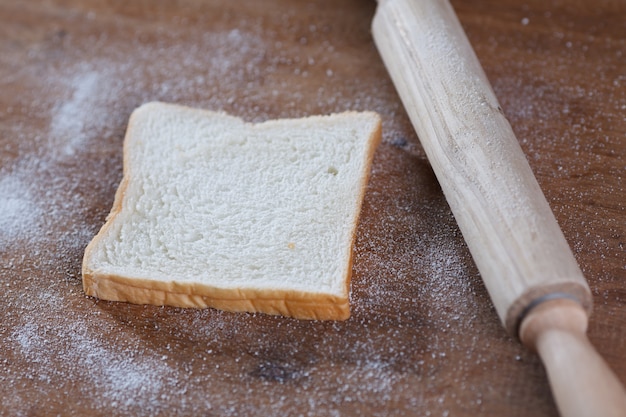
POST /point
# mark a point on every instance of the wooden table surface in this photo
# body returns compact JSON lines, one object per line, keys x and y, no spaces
{"x":423,"y":338}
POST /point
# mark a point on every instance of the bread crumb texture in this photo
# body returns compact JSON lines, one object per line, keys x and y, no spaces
{"x":216,"y":212}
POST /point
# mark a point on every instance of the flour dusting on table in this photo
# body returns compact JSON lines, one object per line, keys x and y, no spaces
{"x":68,"y":354}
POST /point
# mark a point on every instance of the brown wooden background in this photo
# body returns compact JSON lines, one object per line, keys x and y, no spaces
{"x":423,"y":338}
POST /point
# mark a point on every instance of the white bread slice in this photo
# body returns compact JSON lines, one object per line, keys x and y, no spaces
{"x":216,"y":212}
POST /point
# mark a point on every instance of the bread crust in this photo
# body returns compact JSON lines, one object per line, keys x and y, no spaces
{"x":291,"y":303}
{"x":295,"y":304}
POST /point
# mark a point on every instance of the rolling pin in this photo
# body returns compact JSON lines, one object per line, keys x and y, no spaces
{"x":533,"y":279}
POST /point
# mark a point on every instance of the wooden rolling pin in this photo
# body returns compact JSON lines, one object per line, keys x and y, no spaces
{"x":528,"y":268}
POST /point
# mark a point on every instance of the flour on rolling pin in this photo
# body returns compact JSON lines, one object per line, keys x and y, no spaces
{"x":526,"y":264}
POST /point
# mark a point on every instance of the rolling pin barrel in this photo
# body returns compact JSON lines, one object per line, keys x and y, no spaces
{"x":505,"y":219}
{"x":526,"y":264}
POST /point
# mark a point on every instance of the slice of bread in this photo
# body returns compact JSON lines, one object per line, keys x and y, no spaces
{"x":216,"y":212}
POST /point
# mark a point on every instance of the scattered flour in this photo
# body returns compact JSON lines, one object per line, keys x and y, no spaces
{"x":72,"y":117}
{"x":21,"y":212}
{"x":119,"y":357}
{"x":72,"y":350}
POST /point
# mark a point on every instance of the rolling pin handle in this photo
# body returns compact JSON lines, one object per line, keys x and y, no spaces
{"x":582,"y":383}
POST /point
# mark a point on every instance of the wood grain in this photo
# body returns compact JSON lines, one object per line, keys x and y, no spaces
{"x":505,"y":219}
{"x":424,"y":337}
{"x":582,"y":384}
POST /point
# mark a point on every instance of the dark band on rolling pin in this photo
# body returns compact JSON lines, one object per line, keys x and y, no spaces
{"x":539,"y":300}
